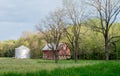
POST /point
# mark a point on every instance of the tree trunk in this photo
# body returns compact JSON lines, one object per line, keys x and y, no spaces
{"x":106,"y":48}
{"x":75,"y":50}
{"x":56,"y":57}
{"x":106,"y":52}
{"x":75,"y":55}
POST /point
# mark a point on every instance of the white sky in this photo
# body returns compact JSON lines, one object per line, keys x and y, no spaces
{"x":17,"y":16}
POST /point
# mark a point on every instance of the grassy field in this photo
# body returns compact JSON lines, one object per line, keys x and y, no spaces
{"x":37,"y":67}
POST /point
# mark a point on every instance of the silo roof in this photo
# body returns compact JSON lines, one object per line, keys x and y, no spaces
{"x":22,"y":47}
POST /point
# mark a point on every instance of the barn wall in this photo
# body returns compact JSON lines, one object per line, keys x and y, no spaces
{"x":62,"y":54}
{"x":48,"y":54}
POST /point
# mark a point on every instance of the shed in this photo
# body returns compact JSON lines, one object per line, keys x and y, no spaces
{"x":63,"y":51}
{"x":22,"y":52}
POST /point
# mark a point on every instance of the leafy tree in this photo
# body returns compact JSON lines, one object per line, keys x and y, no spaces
{"x":107,"y":11}
{"x":52,"y":30}
{"x":75,"y":17}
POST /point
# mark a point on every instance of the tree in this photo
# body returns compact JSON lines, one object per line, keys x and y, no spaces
{"x":33,"y":41}
{"x":52,"y":30}
{"x":7,"y":48}
{"x":75,"y":19}
{"x":107,"y":10}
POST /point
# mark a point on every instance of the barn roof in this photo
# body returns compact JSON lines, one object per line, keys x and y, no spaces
{"x":49,"y":46}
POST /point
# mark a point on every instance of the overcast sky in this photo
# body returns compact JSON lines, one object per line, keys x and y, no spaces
{"x":17,"y":16}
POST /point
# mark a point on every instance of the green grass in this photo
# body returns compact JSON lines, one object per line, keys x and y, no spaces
{"x":37,"y":67}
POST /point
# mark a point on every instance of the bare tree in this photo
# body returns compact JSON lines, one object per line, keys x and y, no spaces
{"x":52,"y":30}
{"x":75,"y":18}
{"x":107,"y":10}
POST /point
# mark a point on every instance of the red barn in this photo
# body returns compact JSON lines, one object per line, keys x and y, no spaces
{"x":63,"y":52}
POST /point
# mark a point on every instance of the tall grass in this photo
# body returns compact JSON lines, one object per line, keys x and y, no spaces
{"x":17,"y":67}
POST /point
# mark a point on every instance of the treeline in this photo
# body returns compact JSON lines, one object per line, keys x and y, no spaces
{"x":91,"y":45}
{"x":7,"y":48}
{"x":28,"y":39}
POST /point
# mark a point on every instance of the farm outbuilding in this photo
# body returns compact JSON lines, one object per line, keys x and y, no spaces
{"x":22,"y":52}
{"x":63,"y":51}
